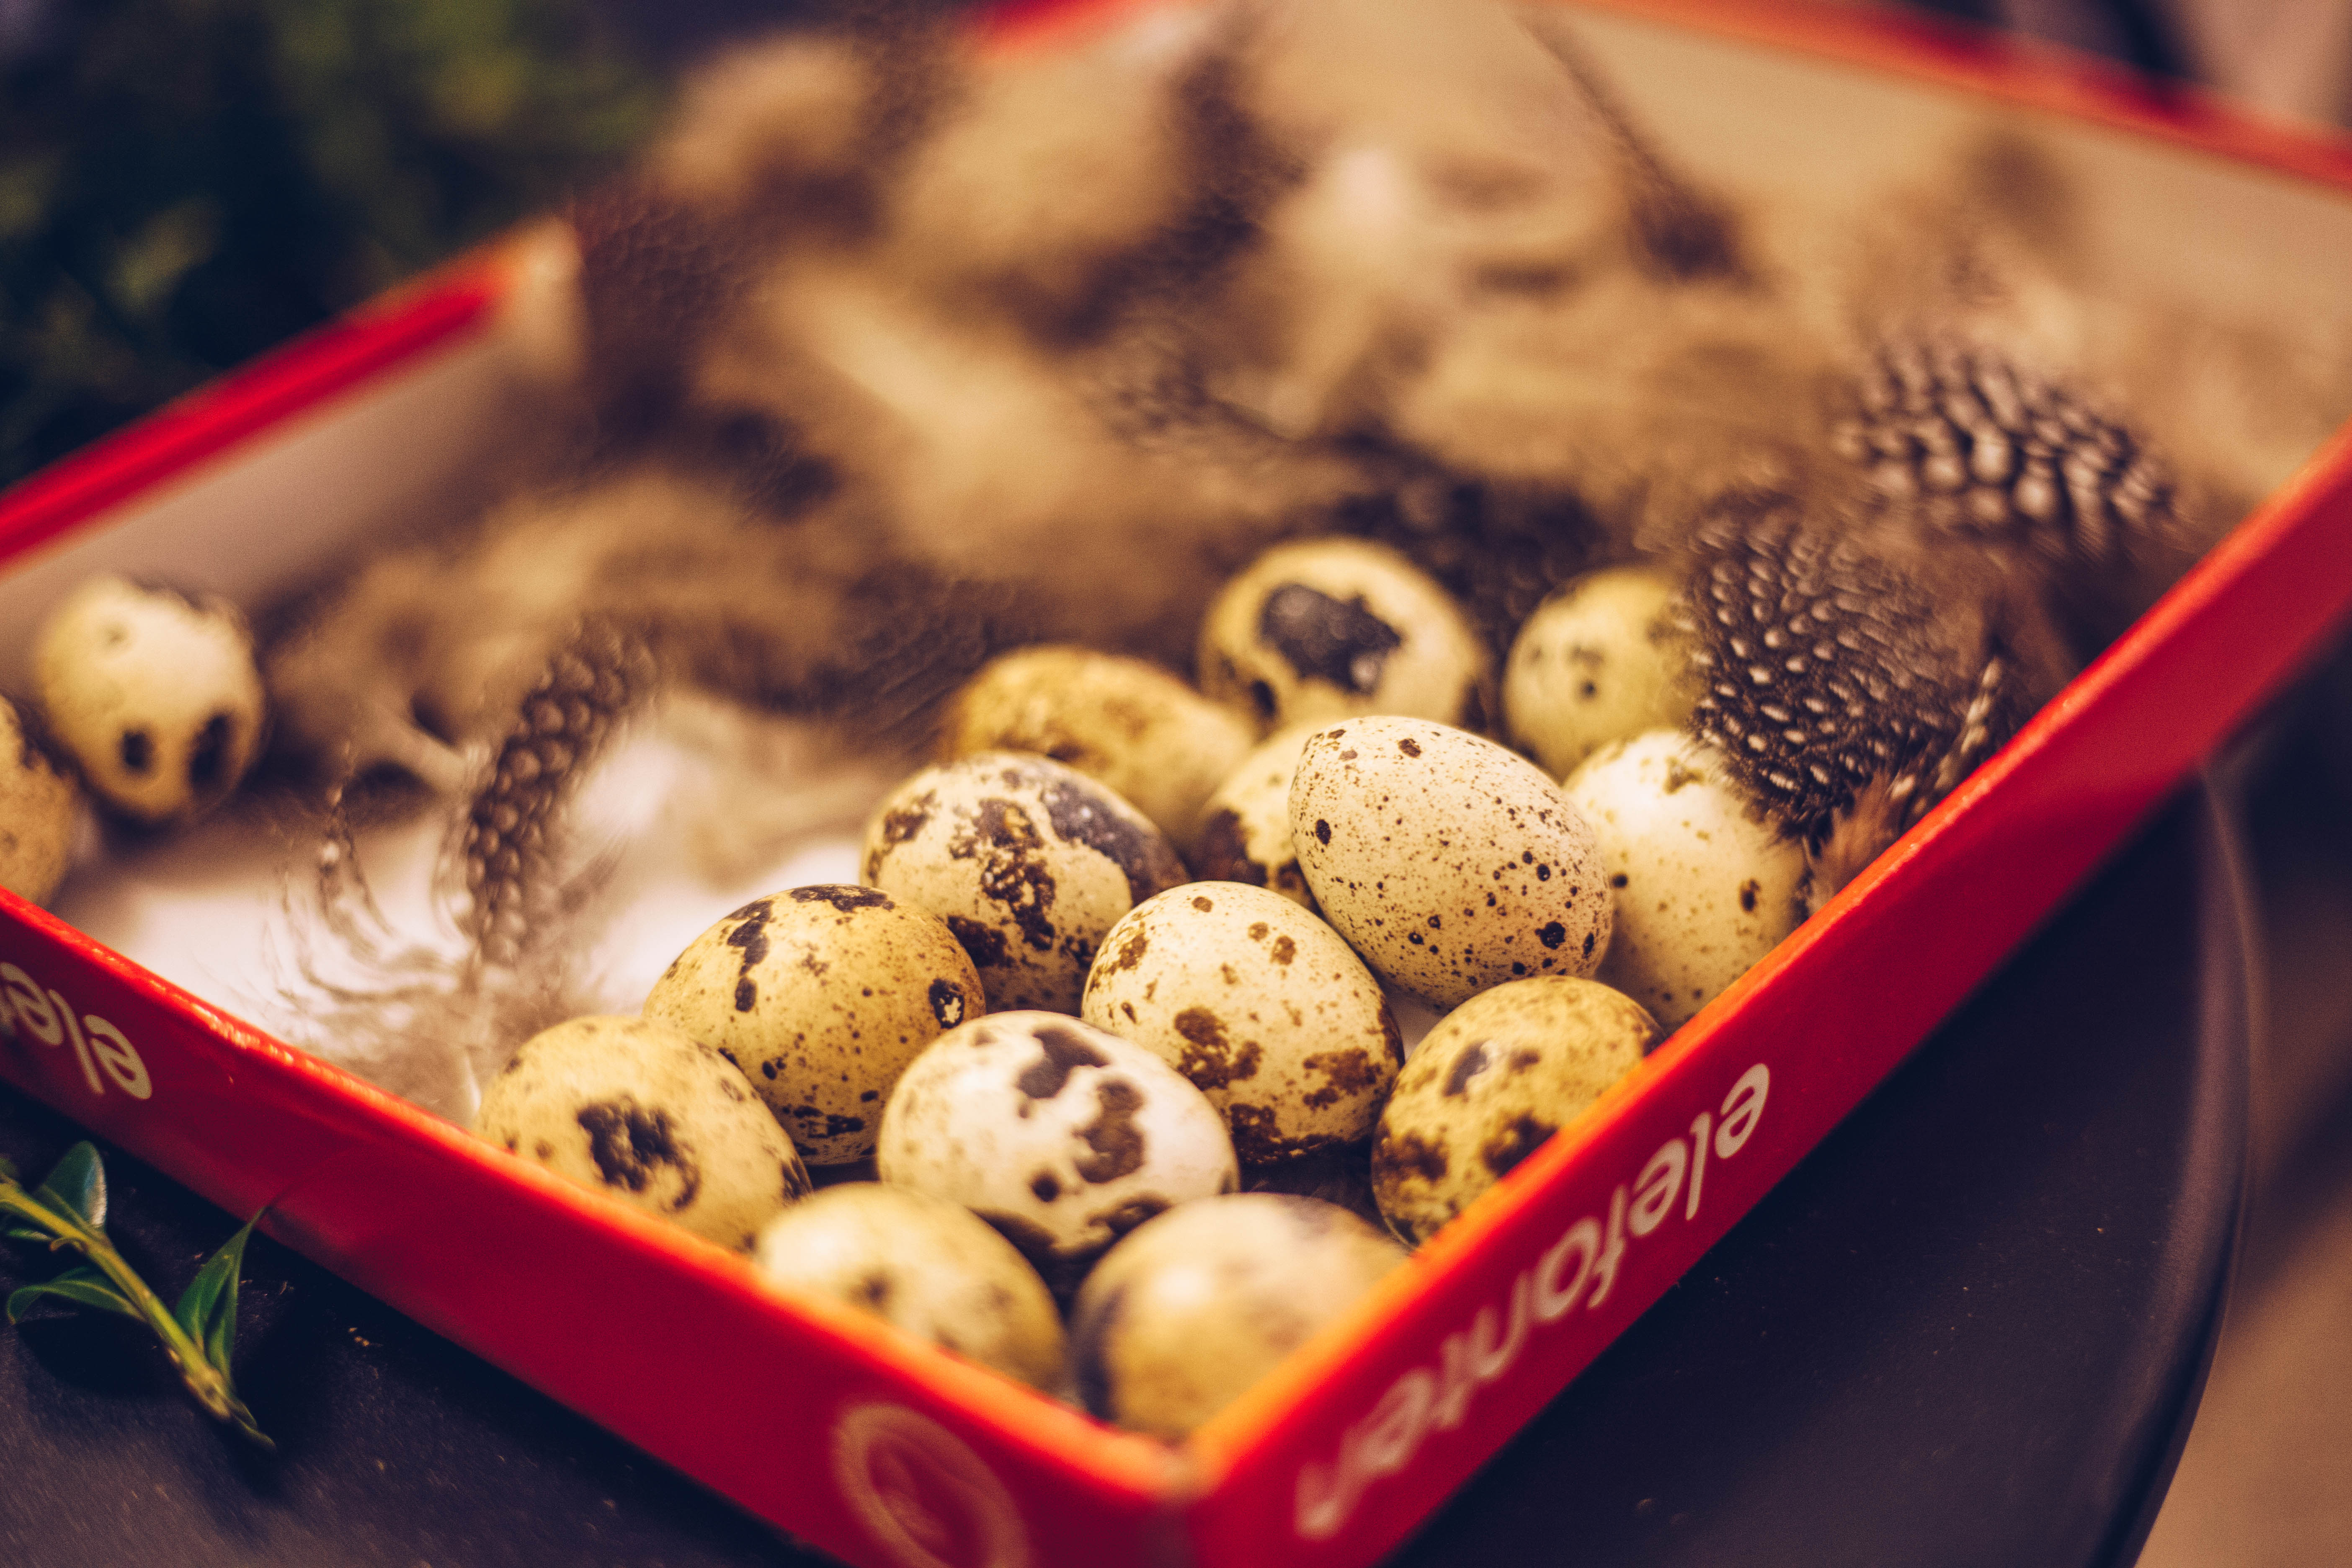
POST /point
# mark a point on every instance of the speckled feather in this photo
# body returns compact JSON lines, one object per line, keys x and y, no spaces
{"x":1991,"y":451}
{"x":1830,"y":659}
{"x":514,"y":817}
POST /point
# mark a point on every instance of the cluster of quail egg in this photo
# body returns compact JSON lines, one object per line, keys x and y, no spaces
{"x":1104,"y":1037}
{"x":1095,"y":1077}
{"x":1112,"y":998}
{"x":147,"y":699}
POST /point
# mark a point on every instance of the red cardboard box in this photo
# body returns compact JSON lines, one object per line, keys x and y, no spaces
{"x":884,"y":1451}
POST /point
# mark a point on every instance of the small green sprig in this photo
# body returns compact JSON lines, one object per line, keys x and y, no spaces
{"x":68,"y":1212}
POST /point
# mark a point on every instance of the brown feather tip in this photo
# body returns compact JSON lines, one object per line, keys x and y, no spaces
{"x":1857,"y":834}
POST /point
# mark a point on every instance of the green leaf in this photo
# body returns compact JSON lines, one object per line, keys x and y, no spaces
{"x":77,"y":1185}
{"x":207,"y":1310}
{"x":23,"y":1233}
{"x":82,"y":1287}
{"x":8,"y":1169}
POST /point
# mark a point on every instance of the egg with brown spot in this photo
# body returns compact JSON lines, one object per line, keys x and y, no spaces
{"x":1143,"y":732}
{"x":1598,"y":660}
{"x":1704,"y":887}
{"x":1028,"y":861}
{"x":1450,"y":863}
{"x":1260,"y":1005}
{"x":37,"y":811}
{"x":822,"y":994}
{"x":1322,"y":628}
{"x":930,"y":1268}
{"x":1185,"y":1315}
{"x":1061,"y":1135}
{"x":1245,"y":825}
{"x":155,"y":693}
{"x":1497,"y":1076}
{"x":634,"y":1109}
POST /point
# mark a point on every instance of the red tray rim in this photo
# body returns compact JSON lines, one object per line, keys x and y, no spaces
{"x":450,"y":307}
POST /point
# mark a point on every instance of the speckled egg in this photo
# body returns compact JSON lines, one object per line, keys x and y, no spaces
{"x":1028,"y":861}
{"x":1598,"y":660}
{"x":1156,"y":742}
{"x":1705,"y":888}
{"x":1063,"y":1137}
{"x":1449,"y":862}
{"x":821,"y":995}
{"x":155,"y":693}
{"x":1245,"y":825}
{"x":925,"y":1265}
{"x":36,"y":811}
{"x":1497,"y":1076}
{"x":1326,"y":627}
{"x":645,"y":1113}
{"x":1260,"y":1005}
{"x":1193,"y":1309}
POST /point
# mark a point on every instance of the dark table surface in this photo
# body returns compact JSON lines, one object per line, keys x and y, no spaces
{"x":1969,"y":1328}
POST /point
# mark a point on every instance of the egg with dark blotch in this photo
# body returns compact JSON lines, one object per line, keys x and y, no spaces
{"x":1260,"y":1005}
{"x":822,"y":994}
{"x":1450,"y":863}
{"x":37,"y":811}
{"x":1495,"y":1077}
{"x":1183,"y":1316}
{"x":1029,"y":862}
{"x":1322,"y":628}
{"x":1245,"y":824}
{"x":929,"y":1268}
{"x":1063,"y":1137}
{"x":1158,"y":745}
{"x":636,"y":1109}
{"x":155,"y":693}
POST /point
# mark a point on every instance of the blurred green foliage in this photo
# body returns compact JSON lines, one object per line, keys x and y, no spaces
{"x":185,"y":183}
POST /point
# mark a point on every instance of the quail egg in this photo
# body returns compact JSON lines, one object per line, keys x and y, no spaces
{"x":1153,"y":740}
{"x":1245,"y":825}
{"x":1326,"y":627}
{"x":1449,"y":862}
{"x":1260,"y":1005}
{"x":1193,"y":1308}
{"x":821,"y":995}
{"x":1497,"y":1076}
{"x":1061,"y":1136}
{"x":36,"y":811}
{"x":1028,"y":862}
{"x":155,"y":694}
{"x":1704,"y":886}
{"x":1598,"y":660}
{"x":928,"y":1266}
{"x":645,"y":1113}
